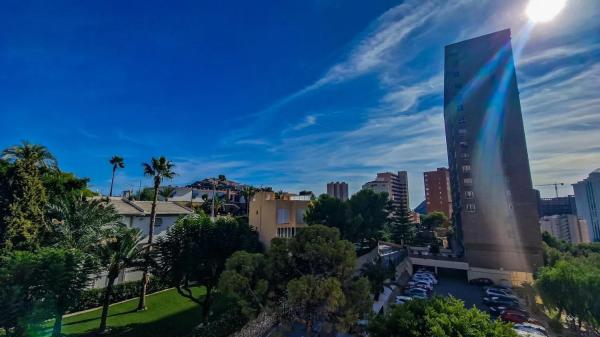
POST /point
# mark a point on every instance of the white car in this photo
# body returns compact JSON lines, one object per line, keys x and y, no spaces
{"x":403,"y":299}
{"x":496,"y":292}
{"x":535,"y":327}
{"x":420,"y":280}
{"x":425,"y":277}
{"x":529,"y":332}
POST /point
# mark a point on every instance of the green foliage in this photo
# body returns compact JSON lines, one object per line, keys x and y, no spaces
{"x":362,"y":218}
{"x":377,"y":272}
{"x":23,"y":225}
{"x":228,"y":321}
{"x":572,"y":285}
{"x":314,"y":271}
{"x":331,"y":212}
{"x":92,"y":298}
{"x":400,"y":227}
{"x":369,"y":214}
{"x":78,"y":223}
{"x":434,"y":220}
{"x":195,"y":250}
{"x":48,"y":282}
{"x":312,"y":297}
{"x":438,"y":317}
{"x":64,"y":184}
{"x":244,"y":280}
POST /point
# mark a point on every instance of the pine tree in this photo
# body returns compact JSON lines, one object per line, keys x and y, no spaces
{"x":401,"y":228}
{"x":24,"y":223}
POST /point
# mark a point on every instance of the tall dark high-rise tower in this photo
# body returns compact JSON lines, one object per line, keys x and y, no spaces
{"x":494,"y":204}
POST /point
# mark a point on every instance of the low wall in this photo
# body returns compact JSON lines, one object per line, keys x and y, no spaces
{"x":502,"y":277}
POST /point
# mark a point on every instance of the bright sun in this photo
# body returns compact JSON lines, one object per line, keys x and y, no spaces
{"x":544,"y":10}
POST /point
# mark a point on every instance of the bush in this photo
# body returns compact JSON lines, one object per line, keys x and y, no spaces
{"x":92,"y":298}
{"x":555,"y":325}
{"x":224,"y":325}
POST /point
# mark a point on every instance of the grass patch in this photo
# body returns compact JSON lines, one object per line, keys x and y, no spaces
{"x":168,"y":314}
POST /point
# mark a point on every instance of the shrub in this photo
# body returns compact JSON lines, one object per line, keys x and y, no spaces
{"x":555,"y":325}
{"x":92,"y":298}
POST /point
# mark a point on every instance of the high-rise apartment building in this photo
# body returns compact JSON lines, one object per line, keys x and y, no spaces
{"x":566,"y":227}
{"x":338,"y":190}
{"x":587,"y":198}
{"x":558,"y":205}
{"x":437,"y":191}
{"x":395,"y":185}
{"x":494,"y":204}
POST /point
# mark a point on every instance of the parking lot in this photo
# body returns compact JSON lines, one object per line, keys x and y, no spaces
{"x":453,"y":282}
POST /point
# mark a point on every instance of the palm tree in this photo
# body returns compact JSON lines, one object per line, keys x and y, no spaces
{"x":117,"y":163}
{"x":78,"y":222}
{"x":166,"y":192}
{"x":159,"y":169}
{"x":38,"y":155}
{"x":248,"y":192}
{"x":121,"y":248}
{"x":220,"y":180}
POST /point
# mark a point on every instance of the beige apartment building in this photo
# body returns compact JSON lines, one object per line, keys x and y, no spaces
{"x":277,"y":217}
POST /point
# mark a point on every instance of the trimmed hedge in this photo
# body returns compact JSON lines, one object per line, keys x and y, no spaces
{"x":92,"y":298}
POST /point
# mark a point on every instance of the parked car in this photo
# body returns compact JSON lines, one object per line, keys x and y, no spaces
{"x":522,"y":333}
{"x":519,"y":327}
{"x":502,"y":298}
{"x":516,"y":310}
{"x":425,"y":277}
{"x":416,"y":291}
{"x":493,"y":301}
{"x":423,"y":285}
{"x":403,"y":299}
{"x":499,"y":287}
{"x":421,"y":274}
{"x":513,"y":317}
{"x":419,"y":296}
{"x":528,"y":325}
{"x":482,"y":281}
{"x":499,"y":293}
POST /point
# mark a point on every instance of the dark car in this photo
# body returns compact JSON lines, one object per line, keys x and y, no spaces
{"x":500,"y":302}
{"x":482,"y":281}
{"x":513,"y":317}
{"x":516,"y":311}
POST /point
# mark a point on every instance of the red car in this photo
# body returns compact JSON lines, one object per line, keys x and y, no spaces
{"x":513,"y":317}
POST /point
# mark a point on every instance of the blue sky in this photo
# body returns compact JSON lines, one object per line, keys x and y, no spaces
{"x":289,"y":94}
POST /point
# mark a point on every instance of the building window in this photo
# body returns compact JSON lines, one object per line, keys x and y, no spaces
{"x":461,"y":121}
{"x":158,"y":222}
{"x":470,"y":208}
{"x":466,"y":168}
{"x":460,"y":107}
{"x":456,"y":74}
{"x":464,"y":155}
{"x":469,"y":194}
{"x":300,"y":216}
{"x":468,"y":181}
{"x":283,"y":216}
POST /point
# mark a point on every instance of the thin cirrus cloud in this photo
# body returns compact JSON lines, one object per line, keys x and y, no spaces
{"x":401,"y":126}
{"x":404,"y":129}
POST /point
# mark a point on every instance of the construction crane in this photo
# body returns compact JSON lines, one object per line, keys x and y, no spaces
{"x":555,"y":186}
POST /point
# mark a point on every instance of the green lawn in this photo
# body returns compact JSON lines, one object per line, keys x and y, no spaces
{"x":168,"y":315}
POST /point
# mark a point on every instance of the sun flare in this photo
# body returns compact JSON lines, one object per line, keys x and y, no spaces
{"x":544,"y":10}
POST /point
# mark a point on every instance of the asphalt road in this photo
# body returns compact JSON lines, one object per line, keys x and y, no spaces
{"x":455,"y":283}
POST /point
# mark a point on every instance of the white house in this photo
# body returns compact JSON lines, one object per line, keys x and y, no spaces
{"x":137,"y":214}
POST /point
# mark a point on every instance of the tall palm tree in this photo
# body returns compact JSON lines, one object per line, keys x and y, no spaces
{"x":248,"y":192}
{"x":159,"y":169}
{"x":117,"y":163}
{"x":36,"y":154}
{"x":120,"y":248}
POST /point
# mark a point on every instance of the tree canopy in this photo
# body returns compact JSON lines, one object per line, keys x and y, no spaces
{"x":438,"y":317}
